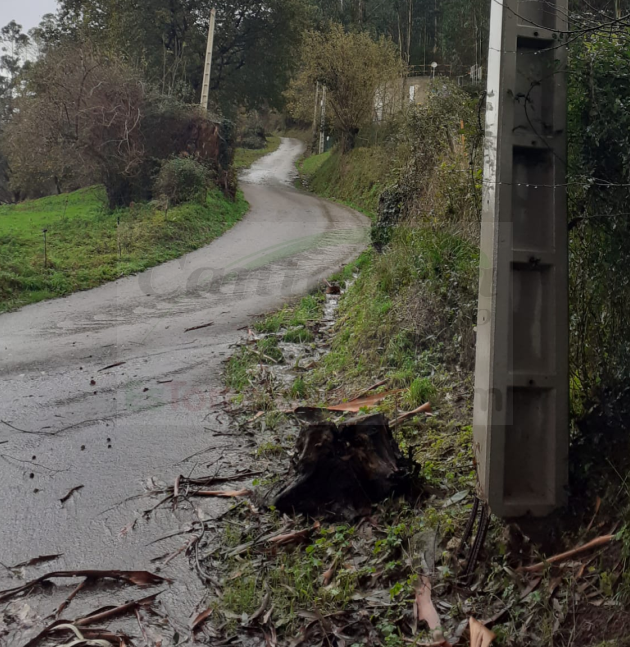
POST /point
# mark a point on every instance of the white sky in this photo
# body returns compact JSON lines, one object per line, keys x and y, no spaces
{"x":27,"y":13}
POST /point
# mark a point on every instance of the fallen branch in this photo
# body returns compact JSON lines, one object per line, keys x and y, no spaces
{"x":103,"y":635}
{"x":227,"y":494}
{"x":370,"y":388}
{"x":107,"y":368}
{"x":37,"y":560}
{"x":54,"y":433}
{"x":139,"y":578}
{"x":185,"y":547}
{"x":300,"y":535}
{"x":72,"y":491}
{"x":425,"y":408}
{"x":354,"y":406}
{"x":200,"y":327}
{"x":556,"y":559}
{"x":64,"y":605}
{"x":598,"y":504}
{"x":211,"y":480}
{"x":108,"y":614}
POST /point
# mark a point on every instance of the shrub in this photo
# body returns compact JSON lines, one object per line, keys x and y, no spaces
{"x":84,"y":117}
{"x":254,"y":138}
{"x":182,"y":179}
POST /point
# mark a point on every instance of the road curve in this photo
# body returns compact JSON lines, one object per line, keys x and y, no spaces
{"x":111,"y":430}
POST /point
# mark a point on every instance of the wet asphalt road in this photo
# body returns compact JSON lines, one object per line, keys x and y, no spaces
{"x":110,"y":431}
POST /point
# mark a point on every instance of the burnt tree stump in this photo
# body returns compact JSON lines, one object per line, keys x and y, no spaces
{"x":343,"y":470}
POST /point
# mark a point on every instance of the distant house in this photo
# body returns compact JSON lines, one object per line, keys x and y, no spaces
{"x":415,"y":89}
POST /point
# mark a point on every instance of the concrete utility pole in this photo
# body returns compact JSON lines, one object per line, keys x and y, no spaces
{"x":322,"y":128}
{"x":315,"y":114}
{"x":522,"y":381}
{"x":205,"y":92}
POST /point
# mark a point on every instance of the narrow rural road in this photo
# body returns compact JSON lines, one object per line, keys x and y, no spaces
{"x":67,"y":423}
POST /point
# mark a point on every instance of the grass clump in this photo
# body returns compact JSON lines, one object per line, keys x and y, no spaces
{"x":87,"y":245}
{"x":239,"y":367}
{"x":299,"y":390}
{"x":298,"y":336}
{"x":237,"y":372}
{"x":307,"y":310}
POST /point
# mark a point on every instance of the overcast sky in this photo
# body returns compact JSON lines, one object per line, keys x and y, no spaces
{"x":27,"y":13}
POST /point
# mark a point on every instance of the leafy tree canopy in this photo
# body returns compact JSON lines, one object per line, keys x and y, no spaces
{"x":355,"y":70}
{"x":254,"y":45}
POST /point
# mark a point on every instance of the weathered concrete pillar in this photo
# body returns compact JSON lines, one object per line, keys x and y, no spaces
{"x":521,"y":389}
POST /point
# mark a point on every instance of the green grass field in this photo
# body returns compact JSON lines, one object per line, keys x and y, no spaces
{"x":245,"y":157}
{"x":87,"y":245}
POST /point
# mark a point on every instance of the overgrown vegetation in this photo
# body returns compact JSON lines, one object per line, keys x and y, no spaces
{"x":598,"y":223}
{"x":358,"y":179}
{"x":407,"y":320}
{"x":182,"y":179}
{"x":355,"y":69}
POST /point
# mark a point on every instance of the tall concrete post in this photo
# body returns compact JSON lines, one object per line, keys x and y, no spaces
{"x":522,"y":381}
{"x":322,"y":127}
{"x":315,"y":138}
{"x":205,"y":91}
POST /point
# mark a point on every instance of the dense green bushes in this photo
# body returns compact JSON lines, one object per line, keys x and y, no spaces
{"x":599,"y":193}
{"x":84,"y":117}
{"x":182,"y":179}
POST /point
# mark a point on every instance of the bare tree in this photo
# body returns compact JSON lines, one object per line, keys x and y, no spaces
{"x":79,"y":117}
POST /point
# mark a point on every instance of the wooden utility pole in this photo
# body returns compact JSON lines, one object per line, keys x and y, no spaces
{"x":522,"y":377}
{"x":205,"y":92}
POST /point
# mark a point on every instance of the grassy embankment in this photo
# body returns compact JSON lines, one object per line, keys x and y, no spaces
{"x":87,"y":245}
{"x":245,"y":157}
{"x":407,"y":319}
{"x":404,"y":320}
{"x":356,"y":180}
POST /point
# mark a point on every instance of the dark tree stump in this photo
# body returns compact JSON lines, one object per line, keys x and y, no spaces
{"x":345,"y":470}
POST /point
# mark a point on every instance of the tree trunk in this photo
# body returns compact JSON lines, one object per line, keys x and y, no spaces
{"x":348,"y":140}
{"x":345,"y":470}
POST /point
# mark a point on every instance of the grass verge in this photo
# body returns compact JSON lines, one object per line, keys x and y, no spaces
{"x":356,"y":179}
{"x":407,"y":320}
{"x":86,"y":245}
{"x":245,"y":157}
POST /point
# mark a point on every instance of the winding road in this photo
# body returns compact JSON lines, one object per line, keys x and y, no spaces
{"x":68,"y":423}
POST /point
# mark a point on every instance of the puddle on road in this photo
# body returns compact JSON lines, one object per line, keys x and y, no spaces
{"x":129,"y":537}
